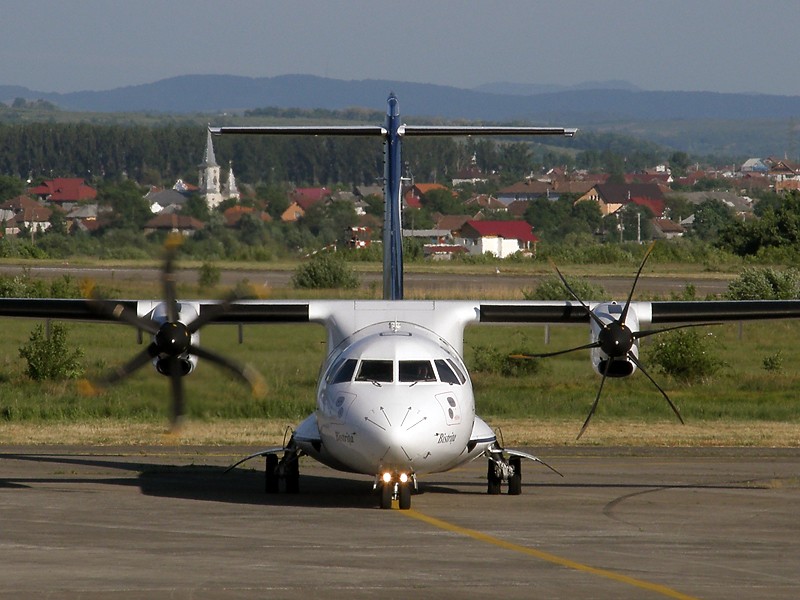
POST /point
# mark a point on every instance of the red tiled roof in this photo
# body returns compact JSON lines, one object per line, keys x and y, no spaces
{"x":65,"y":189}
{"x":510,"y":230}
{"x":308,"y":197}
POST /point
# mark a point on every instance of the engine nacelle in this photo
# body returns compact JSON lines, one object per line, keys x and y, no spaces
{"x":621,"y":366}
{"x":186,"y":312}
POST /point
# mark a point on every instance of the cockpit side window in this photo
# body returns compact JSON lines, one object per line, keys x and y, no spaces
{"x":461,"y":377}
{"x":375,"y":370}
{"x":416,"y":370}
{"x":345,"y":372}
{"x":446,"y":374}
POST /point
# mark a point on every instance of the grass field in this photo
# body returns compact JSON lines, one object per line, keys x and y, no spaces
{"x":744,"y":404}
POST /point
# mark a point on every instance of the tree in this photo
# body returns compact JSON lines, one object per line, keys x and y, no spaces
{"x":51,"y":357}
{"x":710,"y":218}
{"x":10,"y":187}
{"x":131,"y":210}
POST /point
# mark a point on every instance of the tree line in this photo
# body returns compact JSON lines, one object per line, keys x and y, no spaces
{"x":160,"y":154}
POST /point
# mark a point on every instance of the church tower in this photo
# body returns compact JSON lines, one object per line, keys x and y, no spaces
{"x":209,"y":176}
{"x":231,"y":191}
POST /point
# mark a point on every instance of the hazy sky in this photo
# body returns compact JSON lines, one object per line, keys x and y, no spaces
{"x":712,"y":45}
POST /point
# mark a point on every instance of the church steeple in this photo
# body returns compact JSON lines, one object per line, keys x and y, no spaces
{"x":209,"y":176}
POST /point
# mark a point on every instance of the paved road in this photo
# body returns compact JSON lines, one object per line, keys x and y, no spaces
{"x":503,"y":284}
{"x":165,"y":522}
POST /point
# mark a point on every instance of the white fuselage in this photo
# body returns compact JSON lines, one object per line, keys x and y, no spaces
{"x":394,"y":397}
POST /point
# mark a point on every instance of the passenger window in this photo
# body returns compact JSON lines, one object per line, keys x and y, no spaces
{"x":461,"y":377}
{"x":416,"y":370}
{"x":446,"y":373}
{"x":375,"y":370}
{"x":345,"y":373}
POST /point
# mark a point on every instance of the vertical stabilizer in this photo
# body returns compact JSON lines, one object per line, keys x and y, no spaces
{"x":392,"y":225}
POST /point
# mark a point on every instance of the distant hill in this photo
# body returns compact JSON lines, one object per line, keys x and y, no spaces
{"x":506,"y":102}
{"x":698,"y":122}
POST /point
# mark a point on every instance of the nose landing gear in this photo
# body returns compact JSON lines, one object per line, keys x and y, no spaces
{"x":395,"y":487}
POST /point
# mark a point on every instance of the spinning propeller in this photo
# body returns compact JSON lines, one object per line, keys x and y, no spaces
{"x":616,"y":341}
{"x":172,"y":349}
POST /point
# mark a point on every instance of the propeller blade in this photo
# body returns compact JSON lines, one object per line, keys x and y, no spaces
{"x":674,"y":408}
{"x":247,"y":373}
{"x":648,"y":332}
{"x":168,"y":278}
{"x":134,"y":364}
{"x":211,"y":313}
{"x":574,"y":295}
{"x":635,"y":281}
{"x":596,"y":400}
{"x":549,"y":354}
{"x":178,"y":402}
{"x":121,"y":313}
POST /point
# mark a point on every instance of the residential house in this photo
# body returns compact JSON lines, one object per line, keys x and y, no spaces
{"x":611,"y":197}
{"x":527,"y":190}
{"x":233,"y":215}
{"x":23,"y":212}
{"x":65,"y":192}
{"x":754,"y":165}
{"x":415,"y":195}
{"x":499,"y":238}
{"x":173,"y":223}
{"x":666,"y":230}
{"x":165,"y":200}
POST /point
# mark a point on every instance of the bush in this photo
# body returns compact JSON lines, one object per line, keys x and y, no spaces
{"x":51,"y":357}
{"x":765,"y":284}
{"x":209,"y":275}
{"x":489,"y":359}
{"x":684,"y":354}
{"x":552,"y":288}
{"x":325,"y":271}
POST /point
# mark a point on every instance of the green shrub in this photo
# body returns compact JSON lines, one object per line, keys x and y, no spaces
{"x":209,"y":275}
{"x":765,"y":283}
{"x":488,"y":359}
{"x":685,"y":355}
{"x":51,"y":357}
{"x":773,"y":362}
{"x":325,"y":271}
{"x":552,"y":288}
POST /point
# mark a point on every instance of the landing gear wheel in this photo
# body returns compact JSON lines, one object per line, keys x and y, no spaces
{"x":271,"y":479}
{"x":515,"y":480}
{"x":386,"y":490}
{"x":293,"y":475}
{"x":404,"y":496}
{"x":494,"y":479}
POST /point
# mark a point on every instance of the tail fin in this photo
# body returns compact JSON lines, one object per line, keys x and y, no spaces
{"x":393,"y":133}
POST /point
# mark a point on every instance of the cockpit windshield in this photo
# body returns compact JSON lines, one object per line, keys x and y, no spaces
{"x":416,"y":370}
{"x":375,"y":370}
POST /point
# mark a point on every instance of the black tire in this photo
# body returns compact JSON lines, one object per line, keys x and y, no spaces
{"x":271,"y":479}
{"x":293,"y":475}
{"x":515,"y":481}
{"x":494,"y":480}
{"x":404,"y":497}
{"x":386,"y":495}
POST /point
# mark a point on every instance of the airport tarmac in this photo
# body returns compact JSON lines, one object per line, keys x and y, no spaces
{"x":166,"y":522}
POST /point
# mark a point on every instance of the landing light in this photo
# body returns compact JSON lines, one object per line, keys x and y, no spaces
{"x":403,"y":477}
{"x":387,"y":477}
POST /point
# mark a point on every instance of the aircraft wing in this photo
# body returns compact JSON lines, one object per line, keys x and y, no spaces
{"x":659,"y":312}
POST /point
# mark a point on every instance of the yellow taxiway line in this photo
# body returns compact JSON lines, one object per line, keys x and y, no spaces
{"x":546,"y":556}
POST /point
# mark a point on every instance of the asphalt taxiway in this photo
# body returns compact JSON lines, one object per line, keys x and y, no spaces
{"x":82,"y":522}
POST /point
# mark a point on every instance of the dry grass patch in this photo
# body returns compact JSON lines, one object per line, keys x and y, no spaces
{"x":515,"y":432}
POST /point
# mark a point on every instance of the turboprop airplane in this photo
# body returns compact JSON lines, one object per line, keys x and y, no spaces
{"x":394,"y":399}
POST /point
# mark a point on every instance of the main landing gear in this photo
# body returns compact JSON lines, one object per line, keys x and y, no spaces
{"x":395,"y":487}
{"x":286,"y":468}
{"x":500,"y":469}
{"x":506,"y":465}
